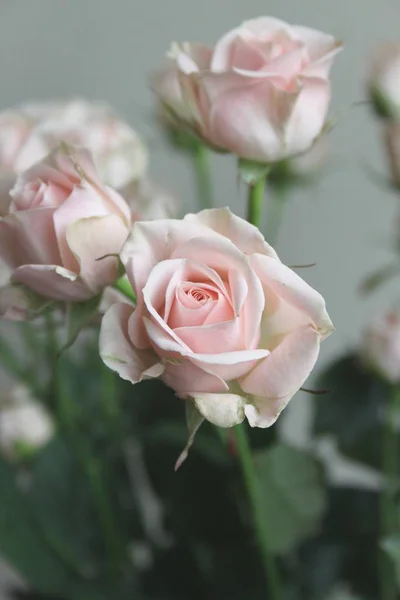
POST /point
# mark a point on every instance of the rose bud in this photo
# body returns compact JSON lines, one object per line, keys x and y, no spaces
{"x":25,"y":425}
{"x":218,"y":318}
{"x":381,"y":346}
{"x":32,"y":131}
{"x":261,"y":93}
{"x":63,"y":231}
{"x":384,"y":81}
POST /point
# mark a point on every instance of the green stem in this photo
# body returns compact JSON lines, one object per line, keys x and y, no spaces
{"x":275,"y":209}
{"x":390,"y":468}
{"x":256,"y":201}
{"x":202,"y":164}
{"x":260,"y":523}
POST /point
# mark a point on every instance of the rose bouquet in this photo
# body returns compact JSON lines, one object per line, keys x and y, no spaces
{"x":150,"y":350}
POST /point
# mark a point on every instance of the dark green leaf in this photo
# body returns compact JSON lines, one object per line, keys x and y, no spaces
{"x":353,"y":409}
{"x":391,"y":545}
{"x":294,"y":497}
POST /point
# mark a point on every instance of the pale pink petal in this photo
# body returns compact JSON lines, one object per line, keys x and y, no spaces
{"x":267,"y":28}
{"x":28,"y":237}
{"x":223,"y":410}
{"x":279,"y":376}
{"x":116,"y":350}
{"x":151,"y":242}
{"x":7,"y":182}
{"x":287,"y":285}
{"x":220,"y":254}
{"x":94,"y":238}
{"x":229,"y":365}
{"x":234,"y":50}
{"x":212,"y":339}
{"x":244,"y":235}
{"x":82,"y":203}
{"x":52,"y":281}
{"x":186,"y":378}
{"x":248,"y":118}
{"x":307,"y":118}
{"x":320,"y":46}
{"x":212,"y":311}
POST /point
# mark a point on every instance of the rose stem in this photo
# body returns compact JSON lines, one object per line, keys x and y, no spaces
{"x":204,"y":187}
{"x":260,"y":523}
{"x":388,"y":505}
{"x":275,"y":209}
{"x":256,"y":199}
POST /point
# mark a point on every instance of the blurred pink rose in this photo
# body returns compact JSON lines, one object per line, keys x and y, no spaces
{"x":60,"y":221}
{"x":381,"y":346}
{"x":384,"y":80}
{"x":261,"y":93}
{"x":149,"y":201}
{"x":29,"y":132}
{"x":219,"y":318}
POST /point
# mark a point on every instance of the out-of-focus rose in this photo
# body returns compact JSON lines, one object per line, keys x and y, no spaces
{"x":61,"y":220}
{"x":261,"y":93}
{"x":25,"y":425}
{"x":149,"y":201}
{"x":32,"y":131}
{"x":219,"y":318}
{"x":384,"y":80}
{"x":391,"y":135}
{"x":381,"y":346}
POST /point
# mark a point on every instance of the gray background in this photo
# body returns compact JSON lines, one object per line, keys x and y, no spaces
{"x":104,"y":49}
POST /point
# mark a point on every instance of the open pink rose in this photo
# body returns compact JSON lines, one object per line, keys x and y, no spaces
{"x":261,"y":93}
{"x":61,"y":220}
{"x":219,"y":318}
{"x":381,"y":346}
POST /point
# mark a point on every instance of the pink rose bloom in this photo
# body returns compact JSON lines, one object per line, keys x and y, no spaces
{"x":384,"y":80}
{"x":61,"y":220}
{"x":30,"y":132}
{"x":261,"y":93}
{"x":218,"y":318}
{"x":381,"y":346}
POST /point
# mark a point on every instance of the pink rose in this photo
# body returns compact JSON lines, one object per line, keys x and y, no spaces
{"x":384,"y":80}
{"x":261,"y":93}
{"x":219,"y":318}
{"x":381,"y":346}
{"x":30,"y":132}
{"x":60,"y":222}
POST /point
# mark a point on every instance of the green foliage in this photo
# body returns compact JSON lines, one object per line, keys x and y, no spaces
{"x":353,"y":409}
{"x":294,"y":496}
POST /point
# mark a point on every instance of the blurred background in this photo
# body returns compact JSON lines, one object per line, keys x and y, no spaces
{"x":105,"y":50}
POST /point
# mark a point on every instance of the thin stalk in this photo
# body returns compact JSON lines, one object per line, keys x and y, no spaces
{"x":390,"y":470}
{"x":260,"y":523}
{"x":256,"y":201}
{"x":203,"y":177}
{"x":275,"y":209}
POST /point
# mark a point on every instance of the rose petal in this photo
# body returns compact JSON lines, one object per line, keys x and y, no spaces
{"x":308,"y":115}
{"x":286,"y":284}
{"x":223,"y":410}
{"x":187,"y":377}
{"x":245,"y":236}
{"x":28,"y":237}
{"x":52,"y":281}
{"x":94,"y":238}
{"x":278,"y":377}
{"x":116,"y":350}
